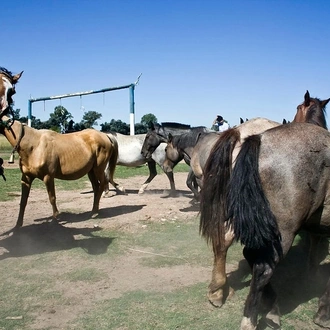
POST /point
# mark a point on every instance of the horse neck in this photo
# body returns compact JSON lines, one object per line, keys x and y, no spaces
{"x":13,"y":133}
{"x":184,"y":143}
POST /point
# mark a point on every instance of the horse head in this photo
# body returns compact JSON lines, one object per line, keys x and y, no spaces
{"x":7,"y":89}
{"x":172,"y":154}
{"x":151,"y":143}
{"x":312,"y":110}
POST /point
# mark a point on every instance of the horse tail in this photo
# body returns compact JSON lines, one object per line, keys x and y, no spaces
{"x":248,"y":209}
{"x":110,"y":169}
{"x":213,"y":195}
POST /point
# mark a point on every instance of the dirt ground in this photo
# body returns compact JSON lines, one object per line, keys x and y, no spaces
{"x":130,"y":212}
{"x":123,"y":211}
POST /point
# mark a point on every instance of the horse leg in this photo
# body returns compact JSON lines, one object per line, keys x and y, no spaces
{"x":109,"y":179}
{"x":170,"y":177}
{"x":262,"y":271}
{"x":318,"y":250}
{"x":50,"y":186}
{"x":219,"y":289}
{"x":152,"y":174}
{"x":191,"y":180}
{"x":26,"y":183}
{"x":98,"y":183}
{"x":322,"y":317}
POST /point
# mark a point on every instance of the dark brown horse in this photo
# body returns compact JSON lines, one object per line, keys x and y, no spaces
{"x":219,"y":166}
{"x":46,"y":155}
{"x":159,"y":134}
{"x":292,"y":161}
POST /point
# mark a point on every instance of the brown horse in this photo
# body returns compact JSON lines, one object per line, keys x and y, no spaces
{"x":159,"y":134}
{"x":46,"y":155}
{"x":218,"y":179}
{"x":219,"y":166}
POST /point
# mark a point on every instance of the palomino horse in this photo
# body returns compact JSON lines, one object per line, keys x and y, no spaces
{"x":218,"y":179}
{"x":129,"y":154}
{"x":47,"y":155}
{"x":218,"y":169}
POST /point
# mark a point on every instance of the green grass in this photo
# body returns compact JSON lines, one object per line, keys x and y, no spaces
{"x":12,"y":186}
{"x":37,"y":278}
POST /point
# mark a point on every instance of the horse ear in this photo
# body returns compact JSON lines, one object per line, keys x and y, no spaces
{"x":324,"y":103}
{"x":241,"y":120}
{"x":307,"y":99}
{"x":16,"y":77}
{"x":169,"y":138}
{"x":151,"y":126}
{"x":284,"y":121}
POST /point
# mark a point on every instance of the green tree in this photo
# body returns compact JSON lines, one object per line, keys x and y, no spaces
{"x":115,"y":126}
{"x":16,"y":114}
{"x":140,"y":128}
{"x":90,"y":118}
{"x":147,"y":119}
{"x":59,"y":118}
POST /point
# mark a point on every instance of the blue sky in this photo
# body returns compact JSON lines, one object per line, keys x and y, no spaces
{"x":197,"y":58}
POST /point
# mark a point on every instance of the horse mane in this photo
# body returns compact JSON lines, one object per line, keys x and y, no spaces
{"x":314,"y":116}
{"x":174,"y":125}
{"x":6,"y":72}
{"x":189,"y":138}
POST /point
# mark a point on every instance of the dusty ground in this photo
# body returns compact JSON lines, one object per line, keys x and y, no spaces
{"x":130,"y":212}
{"x":118,"y":210}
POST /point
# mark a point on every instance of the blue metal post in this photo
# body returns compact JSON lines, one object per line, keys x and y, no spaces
{"x":29,"y":113}
{"x":132,"y":114}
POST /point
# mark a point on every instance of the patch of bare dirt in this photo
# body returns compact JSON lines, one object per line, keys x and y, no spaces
{"x":130,"y":212}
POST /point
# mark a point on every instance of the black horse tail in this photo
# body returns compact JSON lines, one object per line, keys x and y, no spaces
{"x":248,"y":208}
{"x":213,"y":194}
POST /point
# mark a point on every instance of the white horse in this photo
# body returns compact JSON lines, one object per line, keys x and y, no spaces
{"x":129,"y":148}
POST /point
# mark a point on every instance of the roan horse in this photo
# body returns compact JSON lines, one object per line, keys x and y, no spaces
{"x":129,"y":148}
{"x":279,"y":185}
{"x":47,"y":155}
{"x":219,"y":167}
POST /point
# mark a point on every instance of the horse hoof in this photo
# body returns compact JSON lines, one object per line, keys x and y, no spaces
{"x":216,"y":298}
{"x":322,"y":320}
{"x":246,"y":324}
{"x":121,"y":189}
{"x":94,"y":215}
{"x":273,"y":320}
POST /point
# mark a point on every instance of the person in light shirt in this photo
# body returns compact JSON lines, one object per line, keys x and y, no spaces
{"x":219,"y":124}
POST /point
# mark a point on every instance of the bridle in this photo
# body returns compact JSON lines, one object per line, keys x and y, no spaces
{"x":8,"y":75}
{"x":8,"y":123}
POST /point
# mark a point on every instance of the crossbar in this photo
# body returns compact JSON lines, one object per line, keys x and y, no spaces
{"x":131,"y":88}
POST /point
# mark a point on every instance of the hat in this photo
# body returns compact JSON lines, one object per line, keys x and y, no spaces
{"x":219,"y":118}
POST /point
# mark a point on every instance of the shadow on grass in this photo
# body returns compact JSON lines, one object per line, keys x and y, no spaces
{"x":49,"y":237}
{"x":109,"y":212}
